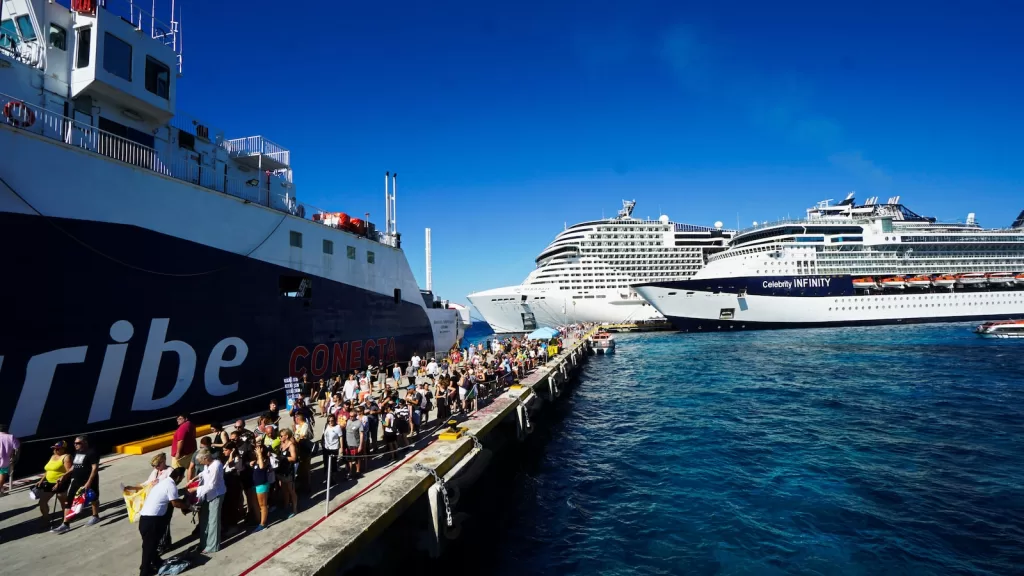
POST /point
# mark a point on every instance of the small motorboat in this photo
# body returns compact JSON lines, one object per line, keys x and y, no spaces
{"x":1001,"y":329}
{"x":894,"y":282}
{"x":867,"y":283}
{"x":920,"y":281}
{"x":1000,"y":278}
{"x":604,"y":342}
{"x":945,"y":280}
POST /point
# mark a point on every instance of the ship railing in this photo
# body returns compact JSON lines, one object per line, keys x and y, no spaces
{"x":258,"y":146}
{"x":135,"y":13}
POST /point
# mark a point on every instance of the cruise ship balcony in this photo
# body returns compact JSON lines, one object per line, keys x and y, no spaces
{"x":259,"y":153}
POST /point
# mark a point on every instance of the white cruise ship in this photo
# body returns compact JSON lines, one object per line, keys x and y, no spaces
{"x":851,"y":265}
{"x":584,"y":275}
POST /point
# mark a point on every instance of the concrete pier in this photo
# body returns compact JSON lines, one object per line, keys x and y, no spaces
{"x":327,"y":536}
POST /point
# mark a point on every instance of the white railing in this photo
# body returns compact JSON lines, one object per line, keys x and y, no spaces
{"x":258,"y":145}
{"x":136,"y":14}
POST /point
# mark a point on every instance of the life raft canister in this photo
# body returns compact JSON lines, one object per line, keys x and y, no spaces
{"x":19,"y":114}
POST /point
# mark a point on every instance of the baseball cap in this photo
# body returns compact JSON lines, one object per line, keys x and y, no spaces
{"x":59,"y":444}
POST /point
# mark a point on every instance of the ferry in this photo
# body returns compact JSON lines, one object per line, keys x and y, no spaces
{"x":157,"y":266}
{"x":804,"y":272}
{"x":1003,"y":329}
{"x":604,"y":342}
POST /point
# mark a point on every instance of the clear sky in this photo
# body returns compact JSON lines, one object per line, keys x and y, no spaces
{"x":506,"y":120}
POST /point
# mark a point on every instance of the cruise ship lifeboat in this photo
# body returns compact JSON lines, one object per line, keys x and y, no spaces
{"x":972,"y":279}
{"x":867,"y":283}
{"x":1020,"y":278}
{"x":894,"y":282}
{"x":1000,"y":278}
{"x":920,"y":282}
{"x":945,"y":281}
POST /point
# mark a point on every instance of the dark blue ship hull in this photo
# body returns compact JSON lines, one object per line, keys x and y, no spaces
{"x":115,"y":326}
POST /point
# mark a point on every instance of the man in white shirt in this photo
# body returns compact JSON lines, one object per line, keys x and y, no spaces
{"x":432,"y":368}
{"x":153,"y":518}
{"x":415,"y":362}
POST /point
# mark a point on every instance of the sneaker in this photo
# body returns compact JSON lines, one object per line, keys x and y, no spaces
{"x":61,"y":529}
{"x":93,"y":521}
{"x":259,"y":528}
{"x":290,"y":516}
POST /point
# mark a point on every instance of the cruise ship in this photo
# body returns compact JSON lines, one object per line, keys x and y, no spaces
{"x":585,"y":274}
{"x":846,"y":264}
{"x":155,"y":266}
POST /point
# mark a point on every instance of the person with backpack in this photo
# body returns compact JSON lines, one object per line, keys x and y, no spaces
{"x":390,"y":426}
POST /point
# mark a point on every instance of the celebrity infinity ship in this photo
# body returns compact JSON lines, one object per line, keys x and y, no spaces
{"x":156,"y":267}
{"x":584,"y":275}
{"x":852,"y":265}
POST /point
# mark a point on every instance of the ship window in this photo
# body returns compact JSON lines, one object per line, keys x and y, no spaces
{"x":350,"y":251}
{"x":58,"y":37}
{"x":295,"y":239}
{"x":186,"y":140}
{"x":8,"y":34}
{"x":25,"y":25}
{"x":84,"y":47}
{"x":398,"y":295}
{"x":158,"y":77}
{"x":117,"y":56}
{"x":328,"y":247}
{"x":369,"y":257}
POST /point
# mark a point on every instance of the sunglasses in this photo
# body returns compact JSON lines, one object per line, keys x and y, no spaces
{"x":78,"y":443}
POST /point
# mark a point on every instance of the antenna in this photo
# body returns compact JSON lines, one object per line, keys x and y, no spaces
{"x":387,"y":206}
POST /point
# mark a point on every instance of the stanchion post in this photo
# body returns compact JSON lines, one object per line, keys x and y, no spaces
{"x":327,"y":501}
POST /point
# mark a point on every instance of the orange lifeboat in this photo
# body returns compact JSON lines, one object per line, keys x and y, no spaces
{"x":945,"y":280}
{"x":358,"y":226}
{"x":865,"y":283}
{"x":894,"y":282}
{"x":920,"y":281}
{"x":1019,"y":278}
{"x":343,"y":221}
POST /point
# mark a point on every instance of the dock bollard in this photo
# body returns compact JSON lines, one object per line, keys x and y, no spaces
{"x":454,"y":432}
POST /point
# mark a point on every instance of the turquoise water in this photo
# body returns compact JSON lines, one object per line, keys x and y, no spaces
{"x":881,"y":450}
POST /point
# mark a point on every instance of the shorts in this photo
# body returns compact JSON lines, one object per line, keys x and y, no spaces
{"x":390,"y":437}
{"x":262,"y":488}
{"x":351,"y":451}
{"x":47,"y":487}
{"x":5,"y":470}
{"x":76,"y":484}
{"x":181,"y":461}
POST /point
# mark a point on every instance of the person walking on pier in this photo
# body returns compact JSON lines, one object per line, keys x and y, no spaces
{"x":154,"y":520}
{"x":9,"y":447}
{"x":51,"y":482}
{"x":184,"y":443}
{"x":210,"y":494}
{"x":332,"y":445}
{"x":85,"y":475}
{"x":356,"y":439}
{"x":286,"y":470}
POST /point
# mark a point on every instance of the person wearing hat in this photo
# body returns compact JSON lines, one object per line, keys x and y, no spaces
{"x":50,"y":484}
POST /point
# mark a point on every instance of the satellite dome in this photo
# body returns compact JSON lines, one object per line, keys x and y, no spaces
{"x":718,"y":225}
{"x":663,"y":219}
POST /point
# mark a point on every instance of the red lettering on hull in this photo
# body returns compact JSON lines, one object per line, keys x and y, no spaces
{"x":338,"y":366}
{"x":392,"y":356}
{"x":355,"y":360}
{"x":320,"y":353}
{"x":370,"y":345}
{"x":294,"y":369}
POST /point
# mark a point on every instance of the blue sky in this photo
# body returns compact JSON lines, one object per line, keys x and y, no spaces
{"x":506,"y":120}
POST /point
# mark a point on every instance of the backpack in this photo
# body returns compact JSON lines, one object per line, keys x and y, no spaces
{"x":175,"y":565}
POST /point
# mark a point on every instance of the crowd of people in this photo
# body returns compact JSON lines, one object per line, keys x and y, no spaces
{"x":240,"y":477}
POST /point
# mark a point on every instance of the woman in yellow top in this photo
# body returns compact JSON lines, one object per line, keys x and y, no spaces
{"x":51,"y":482}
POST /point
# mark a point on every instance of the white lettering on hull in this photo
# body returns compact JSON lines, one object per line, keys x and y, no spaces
{"x":42,"y":368}
{"x":798,"y":283}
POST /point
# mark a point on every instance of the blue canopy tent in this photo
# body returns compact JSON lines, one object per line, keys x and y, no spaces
{"x":542,"y":333}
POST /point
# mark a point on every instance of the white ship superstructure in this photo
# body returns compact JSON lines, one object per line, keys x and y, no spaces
{"x":852,"y":265}
{"x":585,"y":274}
